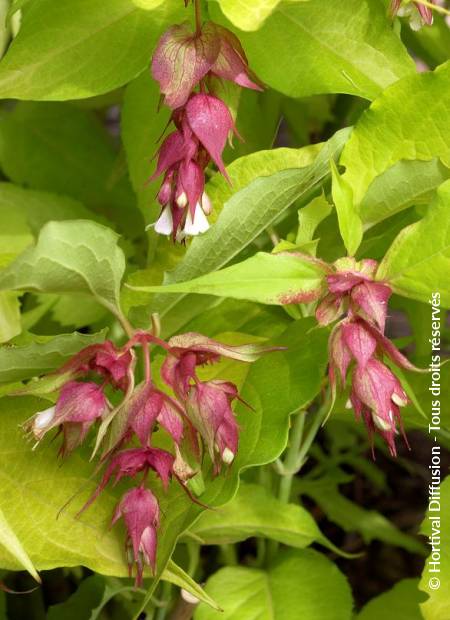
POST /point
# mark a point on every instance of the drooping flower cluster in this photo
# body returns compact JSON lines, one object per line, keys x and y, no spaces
{"x":195,"y":414}
{"x":417,"y":13}
{"x":357,"y":346}
{"x":188,"y":65}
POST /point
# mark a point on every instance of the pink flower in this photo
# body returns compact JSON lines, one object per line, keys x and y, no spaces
{"x":183,"y":58}
{"x":418,"y":15}
{"x":209,"y":409}
{"x":377,"y":395}
{"x":104,"y":359}
{"x":77,"y":408}
{"x":140,"y":511}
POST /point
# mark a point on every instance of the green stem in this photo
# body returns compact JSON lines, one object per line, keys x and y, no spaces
{"x":229,"y":555}
{"x":291,"y":460}
{"x":198,"y":17}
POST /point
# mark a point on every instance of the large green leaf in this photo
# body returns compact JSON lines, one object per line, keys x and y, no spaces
{"x":399,"y":603}
{"x":39,"y":207}
{"x":325,"y":46}
{"x":418,"y":262}
{"x":405,"y":184}
{"x":26,"y":361}
{"x":437,"y":606}
{"x":73,"y":256}
{"x":69,"y":55}
{"x":13,"y":546}
{"x":266,"y":278}
{"x":408,"y":121}
{"x":59,"y":148}
{"x":256,"y":512}
{"x":300,"y":585}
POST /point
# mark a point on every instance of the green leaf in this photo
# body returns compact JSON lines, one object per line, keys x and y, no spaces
{"x":399,"y":603}
{"x":350,"y":224}
{"x":256,"y":512}
{"x":37,"y":208}
{"x":85,"y":603}
{"x":310,"y":217}
{"x":178,"y":577}
{"x":297,"y":53}
{"x":301,"y":584}
{"x":13,"y":546}
{"x":71,"y":57}
{"x":353,"y":518}
{"x":405,"y":184}
{"x":265,"y":278}
{"x":248,"y":213}
{"x":10,"y":324}
{"x":24,"y":362}
{"x":408,"y":121}
{"x":418,"y":262}
{"x":71,"y":257}
{"x":437,"y":606}
{"x":59,"y":148}
{"x":248,"y":15}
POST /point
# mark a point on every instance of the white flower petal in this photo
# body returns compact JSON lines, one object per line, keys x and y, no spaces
{"x":164,"y":224}
{"x":44,"y":418}
{"x":199,"y":225}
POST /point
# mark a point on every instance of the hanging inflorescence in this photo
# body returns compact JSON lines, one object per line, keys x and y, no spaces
{"x":189,"y":66}
{"x":197,"y":416}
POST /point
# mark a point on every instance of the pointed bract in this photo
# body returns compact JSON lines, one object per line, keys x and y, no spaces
{"x":211,"y":121}
{"x":140,"y":512}
{"x":182,"y":59}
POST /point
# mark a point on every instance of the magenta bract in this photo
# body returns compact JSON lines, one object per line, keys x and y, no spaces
{"x":140,"y":511}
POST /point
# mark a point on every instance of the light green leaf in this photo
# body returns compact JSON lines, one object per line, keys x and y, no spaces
{"x":418,"y":262}
{"x":244,"y":170}
{"x":71,"y":257}
{"x":350,"y":224}
{"x":405,"y":184}
{"x":10,"y":324}
{"x":399,"y":603}
{"x":310,"y":217}
{"x":13,"y":546}
{"x":178,"y":577}
{"x":60,"y":148}
{"x":24,"y":362}
{"x":297,"y":52}
{"x":408,"y":121}
{"x":248,"y":15}
{"x":256,"y":512}
{"x":71,"y":57}
{"x":265,"y":278}
{"x":301,"y":584}
{"x":437,"y":606}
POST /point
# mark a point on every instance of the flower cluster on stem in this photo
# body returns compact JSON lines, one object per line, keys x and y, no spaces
{"x":196,"y":415}
{"x":188,"y":65}
{"x":358,"y":347}
{"x":418,"y":13}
